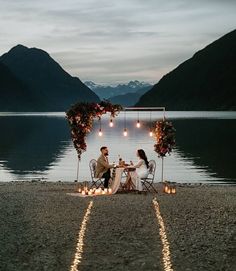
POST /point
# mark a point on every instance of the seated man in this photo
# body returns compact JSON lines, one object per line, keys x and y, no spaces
{"x":103,"y":167}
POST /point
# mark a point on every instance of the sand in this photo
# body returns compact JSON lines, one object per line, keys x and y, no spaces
{"x":39,"y":225}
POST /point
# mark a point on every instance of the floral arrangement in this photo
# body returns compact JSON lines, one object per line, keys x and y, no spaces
{"x":165,"y":136}
{"x":80,"y":118}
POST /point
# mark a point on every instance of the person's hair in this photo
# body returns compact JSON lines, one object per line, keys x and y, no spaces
{"x":103,"y":148}
{"x":143,"y":156}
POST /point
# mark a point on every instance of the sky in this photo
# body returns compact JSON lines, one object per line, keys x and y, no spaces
{"x":111,"y":42}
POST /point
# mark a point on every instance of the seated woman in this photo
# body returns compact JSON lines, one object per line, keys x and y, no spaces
{"x":141,"y":169}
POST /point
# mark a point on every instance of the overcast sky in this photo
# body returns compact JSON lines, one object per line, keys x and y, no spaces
{"x":116,"y":41}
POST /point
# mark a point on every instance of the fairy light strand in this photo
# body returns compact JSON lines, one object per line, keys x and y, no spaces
{"x":80,"y":240}
{"x":166,"y":256}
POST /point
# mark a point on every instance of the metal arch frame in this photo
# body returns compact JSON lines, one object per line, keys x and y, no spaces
{"x":162,"y":108}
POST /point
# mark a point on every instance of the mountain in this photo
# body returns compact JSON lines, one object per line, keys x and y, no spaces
{"x":131,"y":98}
{"x":45,"y":80}
{"x":206,"y":81}
{"x":106,"y":92}
{"x":14,"y":94}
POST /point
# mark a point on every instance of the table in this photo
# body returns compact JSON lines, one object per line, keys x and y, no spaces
{"x":129,"y":183}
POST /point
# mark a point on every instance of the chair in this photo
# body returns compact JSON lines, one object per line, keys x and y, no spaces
{"x":96,"y":182}
{"x":148,"y":183}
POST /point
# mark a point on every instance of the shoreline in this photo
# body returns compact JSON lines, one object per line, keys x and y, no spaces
{"x":192,"y":184}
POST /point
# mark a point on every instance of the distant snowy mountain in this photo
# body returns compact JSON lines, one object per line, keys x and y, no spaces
{"x":106,"y":92}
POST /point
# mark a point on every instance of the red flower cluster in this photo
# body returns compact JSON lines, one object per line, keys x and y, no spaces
{"x":80,"y":118}
{"x":165,"y":136}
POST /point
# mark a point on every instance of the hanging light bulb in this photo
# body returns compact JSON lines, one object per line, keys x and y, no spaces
{"x":150,"y":130}
{"x":111,"y":124}
{"x":100,"y":132}
{"x":138,"y":124}
{"x":100,"y":127}
{"x":125,"y":133}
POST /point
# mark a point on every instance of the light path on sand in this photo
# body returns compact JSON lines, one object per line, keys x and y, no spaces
{"x":122,"y":234}
{"x":166,"y":256}
{"x":80,"y":240}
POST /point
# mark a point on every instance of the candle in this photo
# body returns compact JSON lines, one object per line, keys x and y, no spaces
{"x":110,"y":191}
{"x":96,"y":191}
{"x":79,"y":190}
{"x":169,"y":190}
{"x":103,"y":192}
{"x":83,"y":193}
{"x":90,"y":193}
{"x":106,"y":190}
{"x":166,"y":189}
{"x":173,"y":190}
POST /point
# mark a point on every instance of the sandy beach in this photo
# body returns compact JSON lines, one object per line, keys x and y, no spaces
{"x":40,"y":222}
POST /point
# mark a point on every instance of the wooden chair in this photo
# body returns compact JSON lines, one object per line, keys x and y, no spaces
{"x":96,"y":182}
{"x":148,"y":183}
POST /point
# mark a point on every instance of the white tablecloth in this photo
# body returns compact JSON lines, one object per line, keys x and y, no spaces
{"x":118,"y":175}
{"x":116,"y":182}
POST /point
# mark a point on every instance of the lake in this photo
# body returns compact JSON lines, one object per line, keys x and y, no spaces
{"x":38,"y":145}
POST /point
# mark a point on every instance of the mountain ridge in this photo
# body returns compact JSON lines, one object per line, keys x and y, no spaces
{"x":50,"y":84}
{"x":109,"y":91}
{"x":206,"y":81}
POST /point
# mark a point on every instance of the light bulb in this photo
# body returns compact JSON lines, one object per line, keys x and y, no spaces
{"x":100,"y":132}
{"x":138,"y":124}
{"x":111,"y":123}
{"x":125,"y":132}
{"x":151,"y":133}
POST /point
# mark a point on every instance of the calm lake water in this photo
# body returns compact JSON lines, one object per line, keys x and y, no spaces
{"x":39,"y":146}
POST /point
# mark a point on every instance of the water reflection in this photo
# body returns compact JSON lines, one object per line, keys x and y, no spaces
{"x":31,"y":144}
{"x":209,"y":143}
{"x":40,"y":146}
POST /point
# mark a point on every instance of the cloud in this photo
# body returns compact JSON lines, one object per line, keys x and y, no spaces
{"x":106,"y":41}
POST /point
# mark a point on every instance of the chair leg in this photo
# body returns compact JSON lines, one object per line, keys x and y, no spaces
{"x":149,"y":186}
{"x":97,"y":183}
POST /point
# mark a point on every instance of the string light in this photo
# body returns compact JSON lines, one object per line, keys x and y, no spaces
{"x":150,"y":125}
{"x":166,"y":256}
{"x":80,"y":240}
{"x":100,"y":132}
{"x":100,"y":129}
{"x":150,"y":133}
{"x":138,"y":122}
{"x":111,"y":124}
{"x":125,"y":133}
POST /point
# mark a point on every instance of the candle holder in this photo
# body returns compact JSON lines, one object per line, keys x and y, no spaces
{"x":168,"y":188}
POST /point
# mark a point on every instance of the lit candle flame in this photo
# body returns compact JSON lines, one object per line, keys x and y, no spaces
{"x":125,"y":132}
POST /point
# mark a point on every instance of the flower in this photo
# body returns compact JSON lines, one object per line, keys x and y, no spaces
{"x":80,"y":118}
{"x":165,"y":133}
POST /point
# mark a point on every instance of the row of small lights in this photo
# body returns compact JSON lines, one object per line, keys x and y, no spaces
{"x":125,"y":132}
